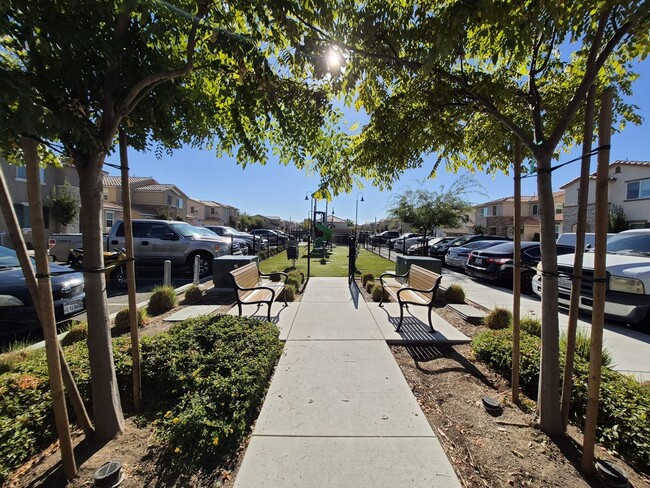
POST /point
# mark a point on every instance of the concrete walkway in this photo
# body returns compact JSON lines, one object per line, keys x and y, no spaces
{"x":339,"y":411}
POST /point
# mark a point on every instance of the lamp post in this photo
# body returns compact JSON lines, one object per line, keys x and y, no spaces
{"x":356,"y":215}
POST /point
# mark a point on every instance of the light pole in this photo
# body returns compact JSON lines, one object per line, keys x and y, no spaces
{"x":356,"y":214}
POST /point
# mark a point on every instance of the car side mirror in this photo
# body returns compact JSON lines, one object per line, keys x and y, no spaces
{"x":170,"y":236}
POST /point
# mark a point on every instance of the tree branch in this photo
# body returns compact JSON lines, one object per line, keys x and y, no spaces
{"x":595,"y":62}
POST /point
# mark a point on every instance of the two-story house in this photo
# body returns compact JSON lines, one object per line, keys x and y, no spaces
{"x":219,"y":214}
{"x":51,"y":177}
{"x":161,"y":200}
{"x":629,"y":188}
{"x":196,"y":212}
{"x":497,"y":217}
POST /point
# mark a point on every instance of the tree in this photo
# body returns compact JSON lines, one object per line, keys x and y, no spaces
{"x":427,"y":210}
{"x":249,"y":222}
{"x":617,"y":220}
{"x":64,"y":205}
{"x":204,"y":73}
{"x":464,"y":79}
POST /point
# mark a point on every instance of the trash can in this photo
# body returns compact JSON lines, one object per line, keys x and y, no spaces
{"x":292,"y":252}
{"x":223,"y":265}
{"x":404,"y":263}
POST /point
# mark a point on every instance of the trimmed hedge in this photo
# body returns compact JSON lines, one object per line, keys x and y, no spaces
{"x":624,"y":407}
{"x":204,"y":381}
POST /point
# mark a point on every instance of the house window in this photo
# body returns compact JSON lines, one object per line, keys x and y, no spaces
{"x":638,"y":189}
{"x":105,"y":196}
{"x":25,"y":219}
{"x":557,"y":231}
{"x":21,"y":174}
{"x":485,"y":211}
{"x":110,"y":218}
{"x":211,"y":211}
{"x":179,"y":202}
{"x":192,"y":210}
{"x":535,"y":209}
{"x":169,"y":199}
{"x":493,"y":231}
{"x":494,"y":210}
{"x":558,"y":208}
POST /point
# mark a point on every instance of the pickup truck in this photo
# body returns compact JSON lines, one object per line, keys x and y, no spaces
{"x":627,"y":297}
{"x":60,"y":245}
{"x":155,"y":241}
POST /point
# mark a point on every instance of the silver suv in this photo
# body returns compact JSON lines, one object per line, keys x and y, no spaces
{"x":155,"y":241}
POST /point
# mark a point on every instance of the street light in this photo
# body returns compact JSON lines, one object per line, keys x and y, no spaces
{"x":356,"y":215}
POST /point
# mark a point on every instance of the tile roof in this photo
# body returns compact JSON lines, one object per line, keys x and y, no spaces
{"x":117,"y":180}
{"x":155,"y":188}
{"x":614,"y":163}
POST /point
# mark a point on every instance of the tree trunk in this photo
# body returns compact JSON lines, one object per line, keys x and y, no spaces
{"x":516,"y":275}
{"x":109,"y":420}
{"x":548,"y":401}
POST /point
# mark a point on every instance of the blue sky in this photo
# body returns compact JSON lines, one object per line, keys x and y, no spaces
{"x":280,"y":190}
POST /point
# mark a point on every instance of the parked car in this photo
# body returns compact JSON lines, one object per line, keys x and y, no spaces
{"x":422,"y":248}
{"x":383,"y":237}
{"x":17,"y":312}
{"x":237,"y":245}
{"x":155,"y":241}
{"x":440,"y":250}
{"x":457,"y":256}
{"x":248,"y":241}
{"x":403,"y":242}
{"x":270,"y":235}
{"x":496,"y":262}
{"x":627,"y":298}
{"x":569,"y":239}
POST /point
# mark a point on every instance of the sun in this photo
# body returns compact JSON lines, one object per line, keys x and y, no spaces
{"x":333,"y":58}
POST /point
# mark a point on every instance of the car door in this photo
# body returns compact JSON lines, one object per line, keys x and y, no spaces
{"x":118,"y":240}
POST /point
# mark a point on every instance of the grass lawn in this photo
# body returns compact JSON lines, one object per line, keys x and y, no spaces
{"x":335,"y":265}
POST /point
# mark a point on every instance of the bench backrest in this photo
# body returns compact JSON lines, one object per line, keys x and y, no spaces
{"x":247,"y":276}
{"x":423,"y":279}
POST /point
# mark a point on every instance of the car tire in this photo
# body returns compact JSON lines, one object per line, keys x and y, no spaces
{"x":118,"y":277}
{"x":527,"y":282}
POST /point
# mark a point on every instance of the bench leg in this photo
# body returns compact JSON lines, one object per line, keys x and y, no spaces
{"x":381,"y":302}
{"x":401,"y":316}
{"x":284,"y":295}
{"x":268,"y":315}
{"x":239,"y":307}
{"x":433,"y":331}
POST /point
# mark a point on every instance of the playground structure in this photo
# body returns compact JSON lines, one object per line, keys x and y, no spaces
{"x":322,"y":232}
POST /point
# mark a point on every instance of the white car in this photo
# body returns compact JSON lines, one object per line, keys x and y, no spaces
{"x":405,"y":241}
{"x":627,"y":297}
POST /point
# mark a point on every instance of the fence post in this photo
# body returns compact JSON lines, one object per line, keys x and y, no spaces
{"x":308,"y":255}
{"x":167,"y":273}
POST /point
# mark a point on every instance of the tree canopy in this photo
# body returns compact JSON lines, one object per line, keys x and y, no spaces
{"x":428,"y":210}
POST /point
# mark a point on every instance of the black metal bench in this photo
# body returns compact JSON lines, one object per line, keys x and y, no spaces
{"x":420,"y":289}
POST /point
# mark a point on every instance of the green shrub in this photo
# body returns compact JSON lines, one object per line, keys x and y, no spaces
{"x":293,"y":282}
{"x":205,"y":377}
{"x":193,"y":294}
{"x":263,"y":255}
{"x":455,"y":294}
{"x":531,"y":326}
{"x":288,"y":293}
{"x":163,"y":299}
{"x":275,"y":275}
{"x":583,"y":348}
{"x":499,"y":318}
{"x":377,"y":292}
{"x":624,"y":403}
{"x":8,"y":360}
{"x":323,"y":261}
{"x":122,"y":319}
{"x":370,"y":285}
{"x":298,"y":276}
{"x":366,"y":277}
{"x":78,"y":332}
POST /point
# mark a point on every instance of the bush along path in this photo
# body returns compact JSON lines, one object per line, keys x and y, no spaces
{"x":204,"y":381}
{"x":624,"y":407}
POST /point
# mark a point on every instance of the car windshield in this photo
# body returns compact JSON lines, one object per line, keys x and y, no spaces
{"x":206,"y":232}
{"x":8,"y":258}
{"x":186,"y":230}
{"x":629,"y":244}
{"x":481,"y":244}
{"x":459,"y":241}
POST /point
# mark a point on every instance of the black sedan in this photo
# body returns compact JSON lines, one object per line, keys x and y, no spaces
{"x":17,"y":312}
{"x":496,"y":263}
{"x":440,"y":250}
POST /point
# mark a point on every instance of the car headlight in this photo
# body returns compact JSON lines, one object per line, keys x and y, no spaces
{"x":626,"y":285}
{"x":10,"y":301}
{"x":221,"y":247}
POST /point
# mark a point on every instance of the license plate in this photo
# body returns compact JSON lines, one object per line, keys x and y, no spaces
{"x":71,"y":307}
{"x":478,"y":261}
{"x":564,"y":283}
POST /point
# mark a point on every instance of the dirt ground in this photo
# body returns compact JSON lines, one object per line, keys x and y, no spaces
{"x":486,"y":451}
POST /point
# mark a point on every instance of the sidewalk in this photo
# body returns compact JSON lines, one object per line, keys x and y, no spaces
{"x":339,"y":411}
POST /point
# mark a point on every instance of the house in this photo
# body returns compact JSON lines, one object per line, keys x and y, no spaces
{"x":270,"y":222}
{"x":52,"y":177}
{"x":196,"y":212}
{"x":629,"y":188}
{"x":219,"y":214}
{"x":497,"y":217}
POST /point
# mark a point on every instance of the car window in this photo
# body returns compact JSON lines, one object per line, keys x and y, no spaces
{"x":533,"y":252}
{"x":629,"y":244}
{"x":186,"y":230}
{"x":8,"y":258}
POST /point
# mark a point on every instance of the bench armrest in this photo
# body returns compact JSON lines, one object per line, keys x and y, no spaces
{"x":381,"y":280}
{"x":276,"y":273}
